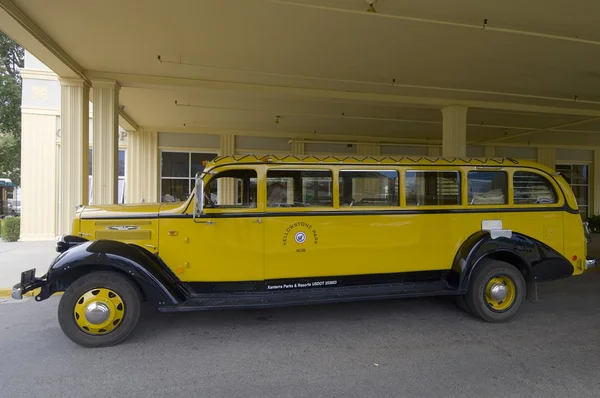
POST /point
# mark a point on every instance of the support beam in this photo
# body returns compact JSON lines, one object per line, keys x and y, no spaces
{"x":547,"y":157}
{"x":153,"y":82}
{"x":105,"y":146}
{"x":596,"y":184}
{"x":489,"y":151}
{"x":141,"y":167}
{"x":74,"y":143}
{"x":454,"y":131}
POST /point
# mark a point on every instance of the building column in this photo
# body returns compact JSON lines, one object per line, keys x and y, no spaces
{"x":454,"y":131}
{"x":226,"y":186}
{"x":367,"y":149}
{"x":297,"y":148}
{"x":141,"y":167}
{"x":547,"y":157}
{"x":434,"y":151}
{"x":38,"y":176}
{"x":364,"y":188}
{"x":74,"y":144}
{"x":489,"y":151}
{"x":105,"y":146}
{"x":595,"y":183}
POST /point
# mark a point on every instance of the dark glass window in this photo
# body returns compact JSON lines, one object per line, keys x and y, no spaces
{"x":531,"y":188}
{"x":299,"y":188}
{"x":432,"y":188}
{"x":488,"y":188}
{"x":232,"y":189}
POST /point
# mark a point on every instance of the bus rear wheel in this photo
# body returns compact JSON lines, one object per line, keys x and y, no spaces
{"x":99,"y":309}
{"x":496,"y":292}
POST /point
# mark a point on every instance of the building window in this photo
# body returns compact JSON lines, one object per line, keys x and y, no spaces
{"x":120,"y":173}
{"x":178,"y":171}
{"x":577,"y":176}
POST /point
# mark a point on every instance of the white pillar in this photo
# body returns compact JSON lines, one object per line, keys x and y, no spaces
{"x":434,"y":151}
{"x":38,"y":176}
{"x":454,"y":131}
{"x":141,"y":167}
{"x":105,"y":100}
{"x":227,"y":187}
{"x":297,"y":148}
{"x":547,"y":156}
{"x":368,"y":149}
{"x":74,"y":144}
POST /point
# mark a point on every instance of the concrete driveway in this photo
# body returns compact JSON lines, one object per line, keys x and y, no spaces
{"x":403,"y":348}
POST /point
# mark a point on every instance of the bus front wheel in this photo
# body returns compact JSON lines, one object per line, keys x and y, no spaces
{"x":496,"y":292}
{"x":99,"y":309}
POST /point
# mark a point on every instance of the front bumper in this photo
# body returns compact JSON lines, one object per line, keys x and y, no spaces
{"x":28,"y":283}
{"x":590,"y":262}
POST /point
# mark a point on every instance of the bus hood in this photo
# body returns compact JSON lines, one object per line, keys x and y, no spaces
{"x":121,"y":211}
{"x":146,"y":210}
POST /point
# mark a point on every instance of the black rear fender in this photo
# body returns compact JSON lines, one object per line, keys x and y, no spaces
{"x":156,"y":282}
{"x":537,"y":261}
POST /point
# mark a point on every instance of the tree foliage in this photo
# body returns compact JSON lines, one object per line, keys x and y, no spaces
{"x":11,"y":59}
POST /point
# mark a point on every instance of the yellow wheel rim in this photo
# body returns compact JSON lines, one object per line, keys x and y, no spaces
{"x":500,"y":293}
{"x":99,"y":311}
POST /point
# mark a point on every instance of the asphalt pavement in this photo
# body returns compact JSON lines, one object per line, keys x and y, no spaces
{"x":401,"y":348}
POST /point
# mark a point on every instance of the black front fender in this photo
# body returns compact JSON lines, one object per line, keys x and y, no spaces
{"x":537,"y":261}
{"x":155,"y":280}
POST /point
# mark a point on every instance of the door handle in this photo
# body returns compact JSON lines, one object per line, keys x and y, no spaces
{"x":209,"y":222}
{"x":258,"y":221}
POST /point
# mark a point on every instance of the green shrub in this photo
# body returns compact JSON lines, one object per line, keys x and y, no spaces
{"x":594,"y":223}
{"x":11,"y":229}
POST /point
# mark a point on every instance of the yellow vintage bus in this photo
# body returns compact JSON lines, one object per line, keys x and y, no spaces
{"x":279,"y":231}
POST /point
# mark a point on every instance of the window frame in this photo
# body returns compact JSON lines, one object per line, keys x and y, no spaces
{"x":589,"y":204}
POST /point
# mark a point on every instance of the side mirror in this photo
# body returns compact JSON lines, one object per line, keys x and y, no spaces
{"x":199,"y":197}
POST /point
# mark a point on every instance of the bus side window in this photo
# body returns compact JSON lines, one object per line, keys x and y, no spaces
{"x":231,"y":189}
{"x":531,"y":188}
{"x":299,"y":188}
{"x":432,"y":188}
{"x":488,"y":188}
{"x":369,"y":188}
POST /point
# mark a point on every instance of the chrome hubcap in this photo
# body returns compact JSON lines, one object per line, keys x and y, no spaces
{"x":498,"y":292}
{"x":97,"y":313}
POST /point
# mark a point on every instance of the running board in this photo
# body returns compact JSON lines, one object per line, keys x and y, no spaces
{"x":271,"y":299}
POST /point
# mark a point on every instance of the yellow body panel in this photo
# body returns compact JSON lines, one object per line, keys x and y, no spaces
{"x":275,"y":243}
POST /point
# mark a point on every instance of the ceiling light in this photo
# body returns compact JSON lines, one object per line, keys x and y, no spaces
{"x":276,"y":119}
{"x":371,"y":7}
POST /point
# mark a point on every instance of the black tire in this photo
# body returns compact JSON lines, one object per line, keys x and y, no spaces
{"x":121,"y":285}
{"x":475,"y":299}
{"x":462,"y":304}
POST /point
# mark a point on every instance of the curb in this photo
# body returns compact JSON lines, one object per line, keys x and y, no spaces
{"x":6,"y":292}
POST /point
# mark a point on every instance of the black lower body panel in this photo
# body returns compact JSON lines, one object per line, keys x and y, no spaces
{"x":271,"y":299}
